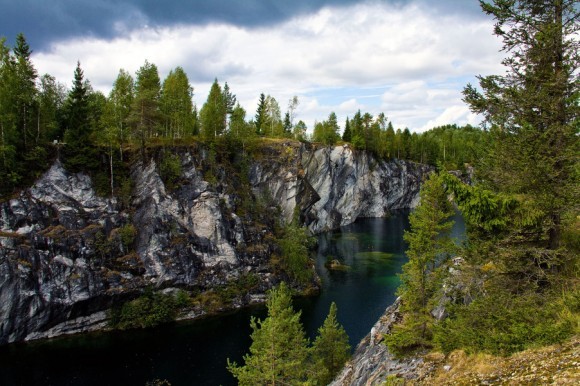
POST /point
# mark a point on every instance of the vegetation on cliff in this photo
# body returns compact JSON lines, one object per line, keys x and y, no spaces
{"x":280,"y":352}
{"x":41,"y":119}
{"x":516,"y":284}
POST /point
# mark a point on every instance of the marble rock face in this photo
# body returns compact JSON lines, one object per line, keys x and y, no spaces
{"x":63,"y":255}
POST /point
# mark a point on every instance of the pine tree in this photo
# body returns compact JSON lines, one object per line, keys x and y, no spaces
{"x":51,"y":98}
{"x":287,"y":125}
{"x":279,"y":346}
{"x":429,"y":242}
{"x":260,"y":117}
{"x":330,"y":350}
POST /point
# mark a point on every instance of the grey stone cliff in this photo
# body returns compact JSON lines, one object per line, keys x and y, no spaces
{"x":372,"y":363}
{"x":65,"y":259}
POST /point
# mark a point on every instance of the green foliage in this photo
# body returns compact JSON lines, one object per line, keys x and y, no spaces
{"x":502,"y":324}
{"x":327,"y":131}
{"x":519,"y":279}
{"x":482,"y":208}
{"x":145,"y":116}
{"x":295,"y":260}
{"x":170,"y":169}
{"x":279,"y":346}
{"x":429,"y":244}
{"x":279,"y":353}
{"x":79,"y":154}
{"x":213,"y":114}
{"x":392,"y":380}
{"x":533,"y":110}
{"x":127,"y":234}
{"x":148,"y":310}
{"x":330,"y":350}
{"x":260,"y":117}
{"x":176,"y":105}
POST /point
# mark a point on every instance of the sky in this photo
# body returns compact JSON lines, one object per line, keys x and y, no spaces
{"x":409,"y":59}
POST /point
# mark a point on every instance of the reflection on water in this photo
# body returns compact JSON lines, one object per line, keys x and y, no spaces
{"x":195,"y":352}
{"x":373,"y":250}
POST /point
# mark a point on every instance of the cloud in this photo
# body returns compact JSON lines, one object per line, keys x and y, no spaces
{"x":46,"y":22}
{"x":406,"y":60}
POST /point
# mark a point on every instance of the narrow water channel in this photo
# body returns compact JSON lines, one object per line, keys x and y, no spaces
{"x":195,"y":352}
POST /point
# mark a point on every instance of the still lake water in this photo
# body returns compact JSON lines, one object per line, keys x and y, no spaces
{"x":195,"y":352}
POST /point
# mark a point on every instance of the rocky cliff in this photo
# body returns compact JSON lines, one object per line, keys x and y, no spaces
{"x":68,"y":255}
{"x":372,"y":363}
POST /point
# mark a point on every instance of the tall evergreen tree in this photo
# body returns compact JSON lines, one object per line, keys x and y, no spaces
{"x":279,"y":346}
{"x":429,"y":241}
{"x":25,"y":92}
{"x":79,"y":154}
{"x":260,"y":117}
{"x":330,"y":350}
{"x":533,"y":110}
{"x":287,"y":125}
{"x":347,"y":134}
{"x":9,"y":138}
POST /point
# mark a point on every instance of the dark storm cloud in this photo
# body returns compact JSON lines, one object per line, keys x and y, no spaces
{"x":47,"y":21}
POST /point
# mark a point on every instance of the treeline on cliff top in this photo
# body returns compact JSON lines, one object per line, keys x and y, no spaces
{"x":40,"y":117}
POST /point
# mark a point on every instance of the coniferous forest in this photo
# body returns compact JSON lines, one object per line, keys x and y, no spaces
{"x":41,"y":118}
{"x":510,"y":286}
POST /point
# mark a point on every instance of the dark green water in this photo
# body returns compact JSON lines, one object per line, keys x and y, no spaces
{"x":194,"y":353}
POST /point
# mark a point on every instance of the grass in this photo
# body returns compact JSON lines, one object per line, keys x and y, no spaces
{"x":557,"y":364}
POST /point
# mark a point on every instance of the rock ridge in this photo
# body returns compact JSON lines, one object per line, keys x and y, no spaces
{"x":68,"y":255}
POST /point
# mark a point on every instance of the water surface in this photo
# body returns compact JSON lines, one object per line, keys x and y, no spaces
{"x":195,"y":352}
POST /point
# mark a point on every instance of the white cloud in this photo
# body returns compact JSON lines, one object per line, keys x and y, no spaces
{"x":416,"y":60}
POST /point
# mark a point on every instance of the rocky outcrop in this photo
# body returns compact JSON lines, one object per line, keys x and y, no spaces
{"x":68,"y":255}
{"x":372,"y":363}
{"x":333,"y":186}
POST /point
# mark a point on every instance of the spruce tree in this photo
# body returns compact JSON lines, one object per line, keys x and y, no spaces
{"x":330,"y":350}
{"x":25,"y":91}
{"x":279,"y":346}
{"x":347,"y":134}
{"x":429,"y":242}
{"x":260,"y":117}
{"x":533,"y":111}
{"x":79,"y":154}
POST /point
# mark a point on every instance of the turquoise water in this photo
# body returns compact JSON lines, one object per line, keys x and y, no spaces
{"x":195,"y":352}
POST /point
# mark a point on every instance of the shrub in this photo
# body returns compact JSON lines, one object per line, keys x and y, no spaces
{"x":148,"y":310}
{"x":502,"y":324}
{"x":170,"y":170}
